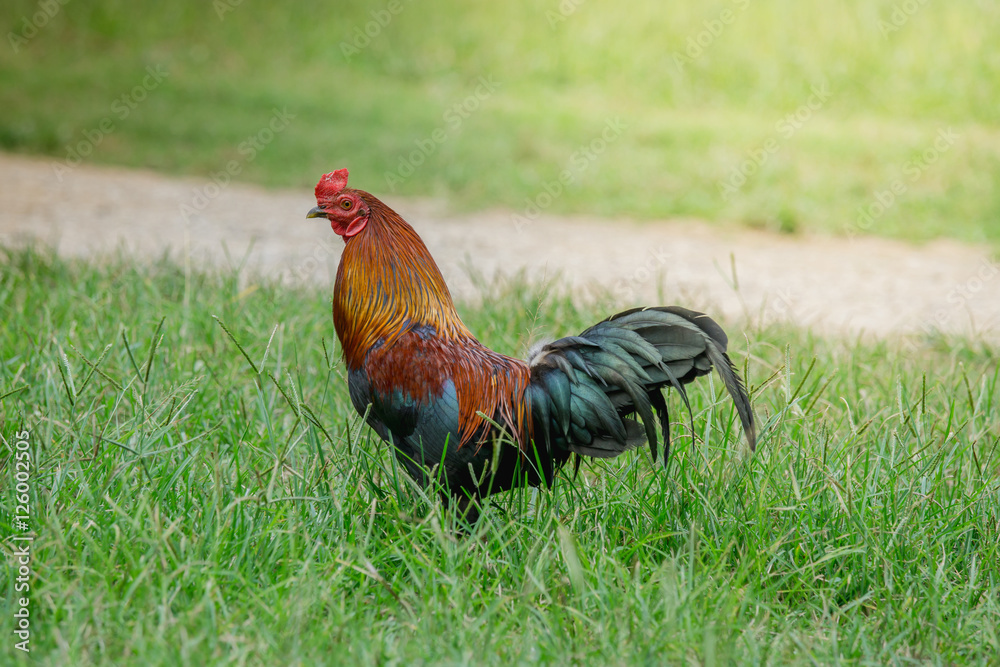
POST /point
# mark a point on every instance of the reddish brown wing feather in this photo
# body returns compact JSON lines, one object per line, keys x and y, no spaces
{"x":485,"y":381}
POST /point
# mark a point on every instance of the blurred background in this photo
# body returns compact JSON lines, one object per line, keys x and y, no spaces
{"x":851,"y":117}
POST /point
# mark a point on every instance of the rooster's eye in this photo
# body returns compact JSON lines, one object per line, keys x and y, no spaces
{"x":345,"y":204}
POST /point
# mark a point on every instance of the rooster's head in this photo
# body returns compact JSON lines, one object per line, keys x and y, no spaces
{"x":342,"y":206}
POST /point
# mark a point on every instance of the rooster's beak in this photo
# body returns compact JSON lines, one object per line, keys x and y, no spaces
{"x":316,"y":212}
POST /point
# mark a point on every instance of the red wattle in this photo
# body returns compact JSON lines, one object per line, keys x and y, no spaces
{"x":352,"y":228}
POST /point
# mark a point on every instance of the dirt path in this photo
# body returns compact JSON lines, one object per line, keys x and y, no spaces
{"x":832,"y":285}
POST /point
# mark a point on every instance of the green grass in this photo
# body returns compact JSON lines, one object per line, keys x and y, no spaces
{"x":196,"y":506}
{"x":687,"y":128}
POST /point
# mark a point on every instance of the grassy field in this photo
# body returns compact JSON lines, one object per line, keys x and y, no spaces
{"x":202,"y":492}
{"x":206,"y":498}
{"x":851,"y":117}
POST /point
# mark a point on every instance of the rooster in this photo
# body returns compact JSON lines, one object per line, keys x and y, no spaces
{"x":477,"y":421}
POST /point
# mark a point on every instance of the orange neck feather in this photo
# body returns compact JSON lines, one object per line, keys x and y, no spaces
{"x":387,"y":282}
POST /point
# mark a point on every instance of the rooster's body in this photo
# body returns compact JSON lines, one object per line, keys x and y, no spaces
{"x":479,"y":421}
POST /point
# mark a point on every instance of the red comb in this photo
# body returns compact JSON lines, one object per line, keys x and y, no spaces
{"x":331,"y":184}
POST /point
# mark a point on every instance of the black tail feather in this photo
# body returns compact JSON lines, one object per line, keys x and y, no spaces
{"x":660,"y":404}
{"x":584,"y":387}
